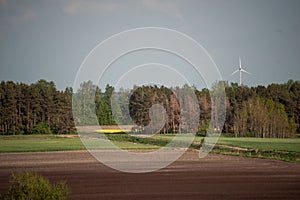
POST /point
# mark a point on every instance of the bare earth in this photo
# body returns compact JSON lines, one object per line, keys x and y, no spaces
{"x":215,"y":177}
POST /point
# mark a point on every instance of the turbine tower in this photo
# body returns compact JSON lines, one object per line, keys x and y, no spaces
{"x":240,"y":69}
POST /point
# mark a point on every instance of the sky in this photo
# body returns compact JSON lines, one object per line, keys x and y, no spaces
{"x":50,"y":39}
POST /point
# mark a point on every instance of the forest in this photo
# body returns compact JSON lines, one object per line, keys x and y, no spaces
{"x":271,"y":111}
{"x":36,"y":108}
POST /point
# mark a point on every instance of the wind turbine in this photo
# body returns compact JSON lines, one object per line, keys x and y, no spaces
{"x":240,"y":69}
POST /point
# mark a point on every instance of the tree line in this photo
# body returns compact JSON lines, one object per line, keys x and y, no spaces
{"x":35,"y":108}
{"x":271,"y":111}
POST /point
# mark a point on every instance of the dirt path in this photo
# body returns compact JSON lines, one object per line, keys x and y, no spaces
{"x":215,"y":177}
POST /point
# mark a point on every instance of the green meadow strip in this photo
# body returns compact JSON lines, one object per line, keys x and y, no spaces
{"x":271,"y":148}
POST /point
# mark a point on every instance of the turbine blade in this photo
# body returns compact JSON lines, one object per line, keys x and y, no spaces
{"x":234,"y":72}
{"x":246,"y":71}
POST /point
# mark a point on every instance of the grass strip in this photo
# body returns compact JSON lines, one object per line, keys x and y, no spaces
{"x":40,"y":144}
{"x":271,"y":148}
{"x":260,"y":153}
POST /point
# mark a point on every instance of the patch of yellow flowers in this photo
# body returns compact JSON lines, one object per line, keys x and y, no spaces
{"x":112,"y":130}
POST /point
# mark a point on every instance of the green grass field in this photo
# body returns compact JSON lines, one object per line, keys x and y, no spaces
{"x":275,"y":148}
{"x":39,"y":143}
{"x":27,"y":143}
{"x":271,"y":148}
{"x":34,"y":143}
{"x":279,"y":144}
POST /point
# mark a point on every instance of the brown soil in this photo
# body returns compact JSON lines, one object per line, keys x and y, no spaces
{"x":215,"y":177}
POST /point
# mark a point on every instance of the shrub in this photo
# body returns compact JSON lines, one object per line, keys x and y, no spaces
{"x":32,"y":186}
{"x":41,"y":128}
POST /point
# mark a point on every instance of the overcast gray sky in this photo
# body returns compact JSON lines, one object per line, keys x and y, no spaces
{"x":49,"y":39}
